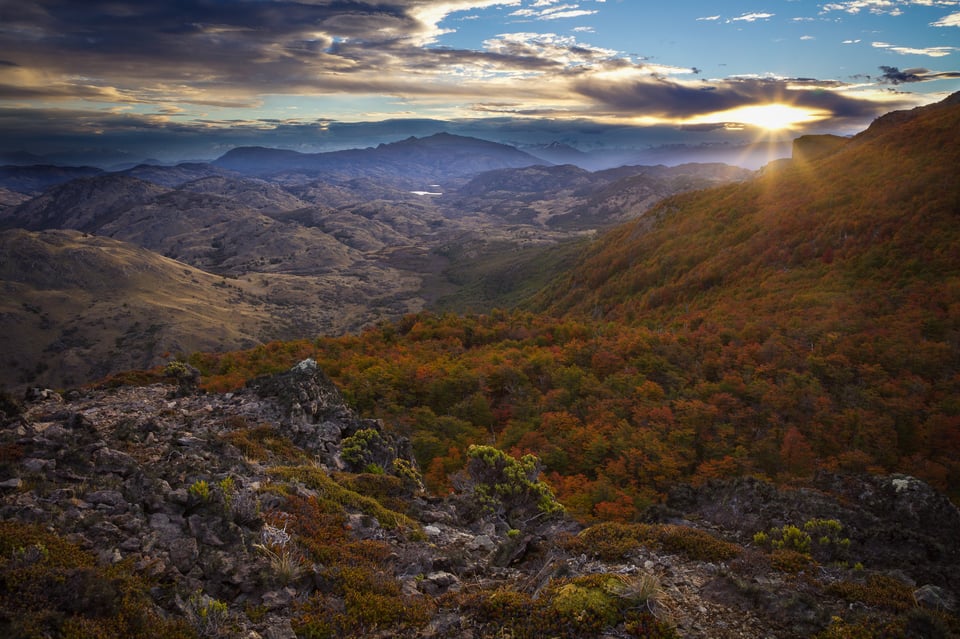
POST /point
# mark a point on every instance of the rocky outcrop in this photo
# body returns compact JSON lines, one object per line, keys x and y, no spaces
{"x":315,"y":417}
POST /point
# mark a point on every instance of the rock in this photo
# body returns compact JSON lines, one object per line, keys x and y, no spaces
{"x":278,"y":599}
{"x":107,"y":460}
{"x":280,"y":629}
{"x":12,"y":483}
{"x":112,"y":499}
{"x":437,"y":583}
{"x":37,"y":394}
{"x":935,"y":598}
{"x":184,"y":553}
{"x":34,"y":465}
{"x":482,"y":543}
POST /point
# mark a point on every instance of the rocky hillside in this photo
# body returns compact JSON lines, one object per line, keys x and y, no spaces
{"x":276,"y":512}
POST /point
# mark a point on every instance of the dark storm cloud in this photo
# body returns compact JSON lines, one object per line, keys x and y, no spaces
{"x":893,"y":75}
{"x":668,"y":98}
{"x":249,"y":45}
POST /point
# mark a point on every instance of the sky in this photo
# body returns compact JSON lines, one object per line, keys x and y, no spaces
{"x":182,"y":78}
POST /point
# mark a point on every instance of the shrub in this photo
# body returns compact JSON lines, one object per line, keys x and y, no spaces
{"x":210,"y":617}
{"x":200,"y":490}
{"x":877,"y":590}
{"x":821,"y":539}
{"x":612,"y":541}
{"x":507,"y":487}
{"x":51,"y":587}
{"x":584,"y":606}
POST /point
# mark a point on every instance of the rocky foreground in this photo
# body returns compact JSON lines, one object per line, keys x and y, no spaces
{"x":277,"y":512}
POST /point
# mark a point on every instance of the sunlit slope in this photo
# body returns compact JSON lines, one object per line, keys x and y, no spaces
{"x":864,"y":238}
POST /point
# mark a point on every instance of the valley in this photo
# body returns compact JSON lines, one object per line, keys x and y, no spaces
{"x":303,"y":245}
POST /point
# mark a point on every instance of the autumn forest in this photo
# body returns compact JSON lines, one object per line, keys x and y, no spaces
{"x":806,"y":320}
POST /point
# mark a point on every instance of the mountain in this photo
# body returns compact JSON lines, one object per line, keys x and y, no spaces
{"x":797,"y":322}
{"x":83,"y":204}
{"x":733,"y":416}
{"x":10,"y":199}
{"x":208,"y":231}
{"x":418,"y":160}
{"x":35,"y":179}
{"x":76,"y":307}
{"x":176,"y":176}
{"x":568,"y":197}
{"x":557,"y":153}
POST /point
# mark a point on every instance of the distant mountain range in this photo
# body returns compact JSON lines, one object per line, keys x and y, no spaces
{"x":438,"y":157}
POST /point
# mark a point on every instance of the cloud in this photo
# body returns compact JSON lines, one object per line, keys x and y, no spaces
{"x":882,"y":7}
{"x":192,"y":66}
{"x":550,"y":10}
{"x":684,"y":100}
{"x":933,"y":52}
{"x":752,"y":17}
{"x":952,"y":20}
{"x":893,"y":75}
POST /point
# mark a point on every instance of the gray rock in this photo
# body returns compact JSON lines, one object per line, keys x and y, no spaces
{"x":184,"y":554}
{"x":107,"y":460}
{"x":482,"y":543}
{"x":935,"y":598}
{"x":112,"y":499}
{"x":34,"y":465}
{"x":13,"y":483}
{"x":437,"y":583}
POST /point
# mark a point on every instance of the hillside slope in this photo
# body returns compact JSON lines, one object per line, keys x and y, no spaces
{"x":811,"y":244}
{"x":75,"y":307}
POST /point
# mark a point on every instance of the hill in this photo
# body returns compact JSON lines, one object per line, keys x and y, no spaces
{"x":873,"y":218}
{"x":732,"y":398}
{"x":76,"y":307}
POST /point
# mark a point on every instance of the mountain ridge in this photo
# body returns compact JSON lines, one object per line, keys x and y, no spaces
{"x":436,"y":157}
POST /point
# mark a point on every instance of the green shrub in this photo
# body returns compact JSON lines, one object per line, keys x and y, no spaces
{"x":200,"y":490}
{"x":507,"y":487}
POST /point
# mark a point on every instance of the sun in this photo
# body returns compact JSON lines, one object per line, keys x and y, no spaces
{"x":771,"y":117}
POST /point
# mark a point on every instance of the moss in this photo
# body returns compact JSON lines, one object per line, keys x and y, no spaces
{"x":317,"y":479}
{"x":790,"y":561}
{"x":261,"y":443}
{"x":585,"y":606}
